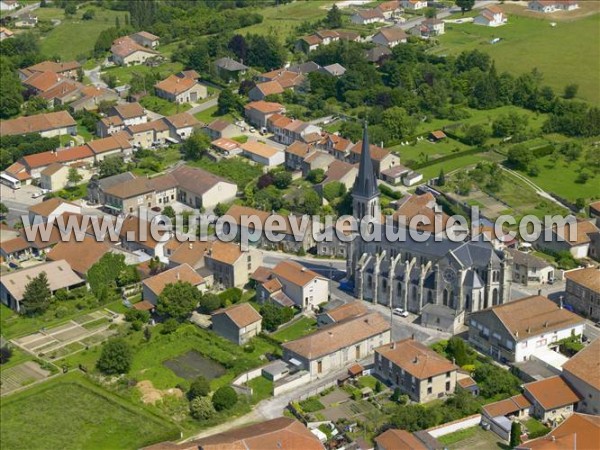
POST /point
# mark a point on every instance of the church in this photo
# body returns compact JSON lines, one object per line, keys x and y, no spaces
{"x":442,"y":281}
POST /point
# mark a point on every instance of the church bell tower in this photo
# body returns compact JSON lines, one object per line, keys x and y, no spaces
{"x":365,"y":194}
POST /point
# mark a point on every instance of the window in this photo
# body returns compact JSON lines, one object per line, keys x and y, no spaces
{"x":430,"y":379}
{"x":447,"y":386}
{"x":429,"y":390}
{"x":319,"y":366}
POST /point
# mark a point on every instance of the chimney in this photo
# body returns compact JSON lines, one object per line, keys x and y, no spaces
{"x":177,"y":276}
{"x":412,"y":337}
{"x":190,"y":245}
{"x":416,"y":360}
{"x":539,"y":292}
{"x":303,"y":269}
{"x":330,"y":334}
{"x":393,"y":345}
{"x":528,"y":329}
{"x":546,"y":324}
{"x":560,"y":304}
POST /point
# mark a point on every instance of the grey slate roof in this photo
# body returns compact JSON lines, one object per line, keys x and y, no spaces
{"x":366,"y":182}
{"x":230,"y":64}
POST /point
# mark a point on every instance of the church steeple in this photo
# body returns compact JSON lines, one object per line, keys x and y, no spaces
{"x":365,"y":194}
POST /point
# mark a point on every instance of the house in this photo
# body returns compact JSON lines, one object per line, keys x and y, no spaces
{"x":51,"y":124}
{"x":342,"y":172}
{"x":468,"y":384}
{"x":80,"y":255}
{"x":580,"y":431}
{"x":418,"y":371}
{"x":263,"y":154}
{"x":411,"y":178}
{"x":66,"y":69}
{"x":229,"y":69}
{"x":337,"y":346}
{"x":146,"y":135}
{"x":15,"y":249}
{"x":580,"y":238}
{"x":413,"y":206}
{"x":437,"y":136}
{"x":146,"y":39}
{"x":377,"y":54}
{"x":56,"y":176}
{"x":135,"y":235}
{"x":180,"y":90}
{"x":50,"y":209}
{"x":582,"y":373}
{"x":307,"y":289}
{"x":13,"y":284}
{"x":429,"y":28}
{"x":219,"y":128}
{"x":181,"y":126}
{"x":335,"y":70}
{"x":227,"y":147}
{"x":280,"y":433}
{"x":414,"y":5}
{"x":367,"y":16}
{"x":257,"y":113}
{"x":491,"y":16}
{"x":552,"y":399}
{"x":308,"y":44}
{"x":381,"y":158}
{"x":129,"y":113}
{"x":91,"y":96}
{"x":393,"y":439}
{"x":96,"y":187}
{"x":201,"y":189}
{"x":152,"y":287}
{"x":296,"y":153}
{"x":395,"y":175}
{"x":26,"y":21}
{"x":8,"y":5}
{"x":529,"y":269}
{"x":498,"y":416}
{"x":5,"y":33}
{"x":231,"y":267}
{"x":116,"y":145}
{"x":583,"y":292}
{"x":390,"y":37}
{"x":520,"y":329}
{"x":288,"y":131}
{"x":316,"y":160}
{"x":550,"y":6}
{"x":264,"y":89}
{"x":295,"y":230}
{"x":128,"y":196}
{"x":125,"y":51}
{"x":594,"y":209}
{"x":238,"y":323}
{"x":390,"y":9}
{"x":343,"y":312}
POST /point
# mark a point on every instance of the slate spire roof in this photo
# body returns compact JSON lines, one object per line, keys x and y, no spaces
{"x":366,"y":182}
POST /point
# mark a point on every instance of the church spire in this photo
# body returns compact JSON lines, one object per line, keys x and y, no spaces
{"x":366,"y":182}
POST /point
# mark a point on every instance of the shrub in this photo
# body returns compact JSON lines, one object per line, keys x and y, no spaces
{"x":135,"y":315}
{"x":115,"y":358}
{"x":169,"y":326}
{"x":201,"y":408}
{"x":5,"y":354}
{"x":61,"y":312}
{"x":378,"y":386}
{"x":200,"y":387}
{"x":224,"y":398}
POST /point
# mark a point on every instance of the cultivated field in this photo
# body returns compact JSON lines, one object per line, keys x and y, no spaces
{"x":566,"y":53}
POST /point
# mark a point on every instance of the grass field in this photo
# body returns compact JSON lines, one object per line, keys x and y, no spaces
{"x":70,"y":412}
{"x":529,"y":43}
{"x":261,"y":388}
{"x":425,"y":150}
{"x":298,"y":329}
{"x":75,"y":37}
{"x":125,"y":74}
{"x":210,"y":114}
{"x":162,"y":106}
{"x":283,"y":19}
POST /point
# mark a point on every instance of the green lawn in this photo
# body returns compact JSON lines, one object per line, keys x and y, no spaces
{"x":536,"y":428}
{"x":458,"y":436}
{"x":210,"y":114}
{"x":70,"y":412}
{"x":367,"y":381}
{"x":529,"y":43}
{"x":283,"y":19}
{"x":125,"y":74}
{"x":300,"y":328}
{"x":75,"y":37}
{"x":425,"y":150}
{"x":261,"y":388}
{"x":162,"y":106}
{"x":454,"y":164}
{"x":238,"y":170}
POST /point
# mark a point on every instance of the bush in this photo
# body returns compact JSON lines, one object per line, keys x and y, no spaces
{"x":115,"y":358}
{"x":224,"y":398}
{"x":135,"y":315}
{"x":61,"y":312}
{"x":5,"y":354}
{"x":201,"y":408}
{"x":169,"y":326}
{"x":200,"y":387}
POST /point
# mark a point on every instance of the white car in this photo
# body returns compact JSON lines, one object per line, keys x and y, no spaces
{"x":400,"y":312}
{"x":252,"y":130}
{"x":37,"y":194}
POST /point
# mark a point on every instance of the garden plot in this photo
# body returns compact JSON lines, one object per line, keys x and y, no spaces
{"x":21,"y":375}
{"x":63,"y":340}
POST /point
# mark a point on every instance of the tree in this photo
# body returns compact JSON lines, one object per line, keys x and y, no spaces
{"x":398,"y":122}
{"x":198,"y":57}
{"x":315,"y":176}
{"x":520,"y":157}
{"x":5,"y":354}
{"x":494,"y":380}
{"x":195,"y":146}
{"x":458,"y":349}
{"x":228,"y":102}
{"x":143,"y":13}
{"x":209,"y":302}
{"x":476,"y":135}
{"x":224,"y":398}
{"x":201,"y":408}
{"x":571,"y":91}
{"x":430,"y":13}
{"x":36,"y":298}
{"x":3,"y":210}
{"x":333,"y":191}
{"x":571,"y":151}
{"x":221,"y":209}
{"x":334,"y":17}
{"x":70,"y":9}
{"x":515,"y":434}
{"x":11,"y":90}
{"x":88,"y":15}
{"x":115,"y":358}
{"x":238,"y":46}
{"x":200,"y":387}
{"x":73,"y":177}
{"x":113,"y":165}
{"x":465,"y":5}
{"x":441,"y":181}
{"x":273,"y":316}
{"x":117,"y":22}
{"x":178,"y":300}
{"x":282,"y":179}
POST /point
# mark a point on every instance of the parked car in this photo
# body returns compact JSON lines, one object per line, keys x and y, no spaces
{"x":37,"y":194}
{"x":400,"y":312}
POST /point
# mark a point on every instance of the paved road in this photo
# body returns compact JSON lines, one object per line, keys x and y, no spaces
{"x":441,"y":14}
{"x":203,"y":106}
{"x":94,"y":76}
{"x":25,"y":9}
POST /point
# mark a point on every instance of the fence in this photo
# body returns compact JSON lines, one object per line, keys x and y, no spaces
{"x":461,"y":424}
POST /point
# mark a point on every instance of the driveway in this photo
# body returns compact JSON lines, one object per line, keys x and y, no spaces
{"x":203,"y":106}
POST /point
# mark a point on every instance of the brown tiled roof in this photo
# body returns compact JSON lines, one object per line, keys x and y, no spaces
{"x":505,"y":407}
{"x":585,"y":365}
{"x":533,"y":315}
{"x":299,"y":148}
{"x":130,"y":188}
{"x":61,"y":90}
{"x":337,"y":336}
{"x":46,"y":207}
{"x":260,"y":149}
{"x":139,"y":230}
{"x":551,"y":393}
{"x":270,"y":88}
{"x":110,"y":143}
{"x":182,"y":120}
{"x":262,"y":274}
{"x":52,"y":169}
{"x":393,"y":34}
{"x":56,"y":67}
{"x":278,"y":120}
{"x":219,"y":125}
{"x":312,"y":39}
{"x":393,"y":439}
{"x":295,"y":273}
{"x":62,"y":156}
{"x":42,"y":81}
{"x":163,"y":182}
{"x":183,"y":273}
{"x":582,"y":231}
{"x":242,"y":314}
{"x":466,"y":382}
{"x":125,"y":46}
{"x":438,"y":134}
{"x":370,"y":14}
{"x":18,"y":170}
{"x":225,"y":252}
{"x":578,"y":432}
{"x":80,"y":255}
{"x":36,"y":123}
{"x":111,"y":121}
{"x":588,"y":278}
{"x":352,"y":309}
{"x":189,"y":74}
{"x":390,"y":6}
{"x":195,"y":180}
{"x":527,"y":259}
{"x":14,"y":245}
{"x":175,"y":85}
{"x":265,"y":107}
{"x":416,"y":205}
{"x":155,"y":125}
{"x":416,"y":359}
{"x":129,"y":110}
{"x":272,"y":285}
{"x":338,"y":169}
{"x":146,"y":35}
{"x":225,"y":144}
{"x":377,"y":153}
